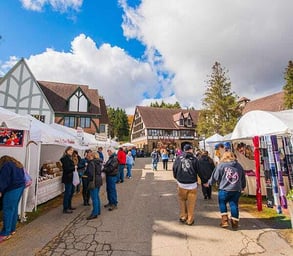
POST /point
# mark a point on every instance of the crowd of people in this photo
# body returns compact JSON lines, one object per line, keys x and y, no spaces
{"x":91,"y":170}
{"x":189,"y":166}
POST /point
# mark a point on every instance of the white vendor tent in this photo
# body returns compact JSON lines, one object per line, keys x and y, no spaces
{"x":209,"y":143}
{"x":12,"y":120}
{"x":258,"y":123}
{"x":84,"y":137}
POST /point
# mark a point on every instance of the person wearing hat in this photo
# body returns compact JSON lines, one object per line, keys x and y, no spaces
{"x":185,"y":171}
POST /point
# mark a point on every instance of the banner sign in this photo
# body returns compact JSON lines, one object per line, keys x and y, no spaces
{"x":11,"y":137}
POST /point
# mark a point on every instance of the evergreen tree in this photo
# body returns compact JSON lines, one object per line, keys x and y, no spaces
{"x":220,"y":112}
{"x":288,"y":87}
{"x":119,"y":126}
{"x":163,"y":104}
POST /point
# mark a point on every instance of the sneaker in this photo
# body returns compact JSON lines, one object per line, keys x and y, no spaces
{"x":92,"y":217}
{"x":107,"y":205}
{"x":112,"y":207}
{"x":4,"y":238}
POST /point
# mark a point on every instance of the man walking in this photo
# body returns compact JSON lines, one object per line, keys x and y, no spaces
{"x":185,"y":171}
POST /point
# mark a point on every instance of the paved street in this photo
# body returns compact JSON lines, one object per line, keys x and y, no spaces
{"x":145,"y":223}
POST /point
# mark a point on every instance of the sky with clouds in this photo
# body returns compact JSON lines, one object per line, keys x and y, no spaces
{"x":135,"y":52}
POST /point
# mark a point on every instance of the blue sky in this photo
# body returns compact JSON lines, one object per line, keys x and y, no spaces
{"x":135,"y":52}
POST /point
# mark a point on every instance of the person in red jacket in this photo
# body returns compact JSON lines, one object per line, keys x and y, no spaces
{"x":121,"y":156}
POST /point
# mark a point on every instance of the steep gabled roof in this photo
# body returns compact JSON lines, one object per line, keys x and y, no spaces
{"x":274,"y":102}
{"x":163,"y":118}
{"x":59,"y":93}
{"x":104,"y":115}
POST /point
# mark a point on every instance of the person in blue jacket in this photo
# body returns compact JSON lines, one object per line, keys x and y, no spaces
{"x":12,"y":184}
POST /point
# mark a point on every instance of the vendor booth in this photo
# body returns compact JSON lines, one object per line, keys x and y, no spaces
{"x":47,"y":147}
{"x":14,"y":136}
{"x":262,"y":142}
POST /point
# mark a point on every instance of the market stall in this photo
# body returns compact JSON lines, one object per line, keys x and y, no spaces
{"x":267,"y":136}
{"x":14,"y":134}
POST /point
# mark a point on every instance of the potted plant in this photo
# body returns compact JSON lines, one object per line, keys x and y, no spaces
{"x":290,"y":204}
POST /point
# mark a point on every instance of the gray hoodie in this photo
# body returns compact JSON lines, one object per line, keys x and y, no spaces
{"x":229,"y":175}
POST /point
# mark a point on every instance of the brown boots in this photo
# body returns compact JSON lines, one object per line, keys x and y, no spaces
{"x":225,"y":221}
{"x":234,"y":224}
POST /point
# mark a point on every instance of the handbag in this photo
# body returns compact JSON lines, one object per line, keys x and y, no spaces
{"x":75,"y":180}
{"x":92,"y":183}
{"x":27,"y":178}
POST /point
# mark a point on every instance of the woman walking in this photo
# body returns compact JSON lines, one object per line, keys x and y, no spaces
{"x":231,"y":178}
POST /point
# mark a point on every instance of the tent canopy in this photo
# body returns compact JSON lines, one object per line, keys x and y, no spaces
{"x":11,"y":120}
{"x":214,"y":138}
{"x":46,"y":134}
{"x":259,"y":123}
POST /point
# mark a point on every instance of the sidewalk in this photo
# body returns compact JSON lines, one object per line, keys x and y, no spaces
{"x":145,"y":223}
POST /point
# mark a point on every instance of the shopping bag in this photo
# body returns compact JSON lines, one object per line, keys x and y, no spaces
{"x":28,"y":179}
{"x":76,"y":180}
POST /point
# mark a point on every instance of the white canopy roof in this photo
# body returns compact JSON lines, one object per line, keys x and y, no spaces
{"x":259,"y":123}
{"x":11,"y":120}
{"x":214,"y":138}
{"x":88,"y":139}
{"x":46,"y":134}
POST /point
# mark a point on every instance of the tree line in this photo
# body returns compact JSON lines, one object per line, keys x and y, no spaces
{"x":220,"y":109}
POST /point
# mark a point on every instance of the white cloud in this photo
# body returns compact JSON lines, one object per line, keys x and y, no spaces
{"x":57,"y":5}
{"x":252,"y":39}
{"x":119,"y":78}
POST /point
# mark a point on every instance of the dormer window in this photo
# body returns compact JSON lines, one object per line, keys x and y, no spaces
{"x":181,"y":122}
{"x":78,"y":102}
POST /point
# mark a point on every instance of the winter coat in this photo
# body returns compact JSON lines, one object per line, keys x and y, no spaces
{"x":11,"y":177}
{"x":206,"y":168}
{"x":68,"y":169}
{"x":94,"y":167}
{"x":111,"y":166}
{"x":185,"y":168}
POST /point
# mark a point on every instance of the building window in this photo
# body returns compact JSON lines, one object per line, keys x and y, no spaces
{"x":78,"y":102}
{"x":102,"y":128}
{"x":85,"y":122}
{"x":181,"y":122}
{"x":69,"y":121}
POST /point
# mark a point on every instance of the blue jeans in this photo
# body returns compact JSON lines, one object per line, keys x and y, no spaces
{"x":231,"y":197}
{"x":129,"y":167}
{"x":96,"y":201}
{"x":120,"y":175}
{"x":68,"y":193}
{"x":10,"y":210}
{"x":111,"y":190}
{"x":155,"y":165}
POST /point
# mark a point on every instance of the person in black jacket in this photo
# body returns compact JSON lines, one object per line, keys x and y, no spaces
{"x":111,"y":171}
{"x":94,"y":174}
{"x":185,"y":171}
{"x":67,"y":178}
{"x":206,"y":167}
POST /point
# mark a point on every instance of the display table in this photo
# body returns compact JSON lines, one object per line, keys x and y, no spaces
{"x":49,"y":189}
{"x":251,"y":185}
